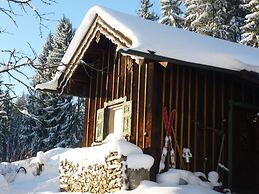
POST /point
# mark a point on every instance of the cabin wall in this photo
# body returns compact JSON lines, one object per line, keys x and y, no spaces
{"x":120,"y":77}
{"x":201,"y":99}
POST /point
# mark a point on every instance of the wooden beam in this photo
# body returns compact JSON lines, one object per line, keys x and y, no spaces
{"x":145,"y":106}
{"x":171,"y":91}
{"x":138,"y":99}
{"x":113,"y":75}
{"x":196,"y":120}
{"x":223,"y":120}
{"x":189,"y":112}
{"x":131,"y":78}
{"x":189,"y":108}
{"x":108,"y":72}
{"x":182,"y":110}
{"x":101,"y":86}
{"x":163,"y":104}
{"x":176,"y":107}
{"x":205,"y":123}
{"x":213,"y":118}
{"x":118,"y":76}
{"x":125,"y":75}
{"x":88,"y":113}
{"x":150,"y":120}
{"x":95,"y":104}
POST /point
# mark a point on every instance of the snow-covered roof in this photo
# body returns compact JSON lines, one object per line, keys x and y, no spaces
{"x":168,"y":42}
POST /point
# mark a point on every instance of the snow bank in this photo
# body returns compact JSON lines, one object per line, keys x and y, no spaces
{"x":176,"y":177}
{"x":154,"y":188}
{"x":48,"y":181}
{"x":3,"y":185}
{"x":22,"y":183}
{"x":173,"y":176}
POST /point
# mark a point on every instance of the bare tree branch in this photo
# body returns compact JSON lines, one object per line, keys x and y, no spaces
{"x":27,"y":6}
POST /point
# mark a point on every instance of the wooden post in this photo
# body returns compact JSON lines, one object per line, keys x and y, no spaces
{"x":182,"y":110}
{"x":195,"y":120}
{"x":144,"y":107}
{"x":213,"y":118}
{"x":189,"y":112}
{"x":95,"y":103}
{"x":113,"y":75}
{"x":163,"y":104}
{"x":205,"y":124}
{"x":125,"y":75}
{"x":138,"y":99}
{"x":118,"y":76}
{"x":223,"y":116}
{"x":88,"y":114}
{"x":176,"y":107}
{"x":171,"y":91}
{"x":131,"y":79}
{"x":108,"y":72}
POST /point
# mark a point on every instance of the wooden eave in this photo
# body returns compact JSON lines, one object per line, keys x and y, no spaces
{"x":98,"y":26}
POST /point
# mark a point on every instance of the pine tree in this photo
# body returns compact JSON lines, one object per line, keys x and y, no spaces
{"x":4,"y":123}
{"x":144,"y":11}
{"x":210,"y":17}
{"x":236,"y":19}
{"x":57,"y":121}
{"x":39,"y":77}
{"x":250,"y":30}
{"x":171,"y":13}
{"x":19,"y":141}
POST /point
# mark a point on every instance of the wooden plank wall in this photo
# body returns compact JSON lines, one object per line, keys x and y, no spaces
{"x":121,"y":77}
{"x":201,"y":99}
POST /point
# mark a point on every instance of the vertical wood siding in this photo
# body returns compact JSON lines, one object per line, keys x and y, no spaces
{"x":200,"y":98}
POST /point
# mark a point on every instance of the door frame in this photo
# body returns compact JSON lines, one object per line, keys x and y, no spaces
{"x":233,"y":104}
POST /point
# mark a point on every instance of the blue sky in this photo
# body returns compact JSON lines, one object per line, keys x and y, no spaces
{"x":28,"y":28}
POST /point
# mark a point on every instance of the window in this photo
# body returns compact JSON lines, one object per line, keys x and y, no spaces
{"x":115,"y":117}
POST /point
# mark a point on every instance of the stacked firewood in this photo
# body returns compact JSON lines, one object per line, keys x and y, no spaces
{"x":96,"y":178}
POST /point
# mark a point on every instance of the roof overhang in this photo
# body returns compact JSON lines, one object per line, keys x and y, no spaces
{"x":65,"y":71}
{"x":141,"y":38}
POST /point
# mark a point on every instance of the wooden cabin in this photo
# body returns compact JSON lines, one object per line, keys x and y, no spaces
{"x":129,"y":69}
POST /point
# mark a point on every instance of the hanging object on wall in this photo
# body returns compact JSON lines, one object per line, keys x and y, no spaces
{"x":168,"y":148}
{"x":187,"y":155}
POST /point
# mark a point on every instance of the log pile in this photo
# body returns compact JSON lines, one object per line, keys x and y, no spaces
{"x":97,"y":178}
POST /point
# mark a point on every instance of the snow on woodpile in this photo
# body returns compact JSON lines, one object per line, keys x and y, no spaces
{"x":112,"y":165}
{"x":138,"y":161}
{"x":97,"y":154}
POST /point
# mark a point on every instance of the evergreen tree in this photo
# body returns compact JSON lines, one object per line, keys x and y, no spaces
{"x":171,"y":13}
{"x":3,"y":130}
{"x":250,"y":30}
{"x":18,"y":144}
{"x":57,"y":121}
{"x":5,"y":115}
{"x":236,"y":19}
{"x":210,"y":17}
{"x":144,"y":11}
{"x":39,"y":77}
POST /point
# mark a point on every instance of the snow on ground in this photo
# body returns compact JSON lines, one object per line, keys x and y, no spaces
{"x":48,"y":182}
